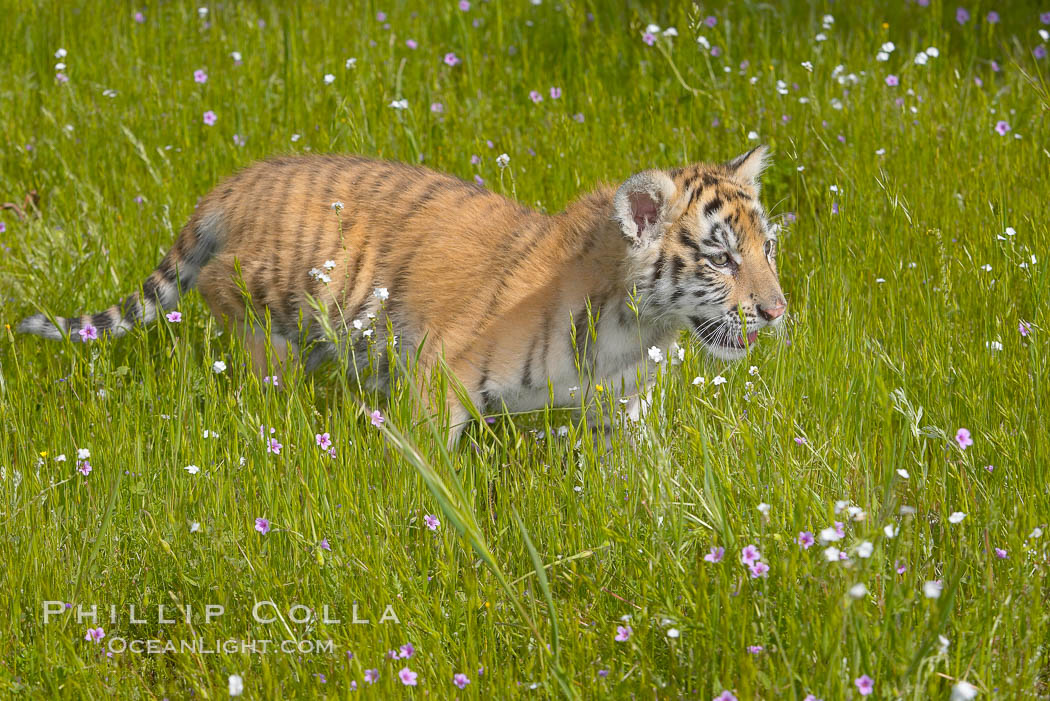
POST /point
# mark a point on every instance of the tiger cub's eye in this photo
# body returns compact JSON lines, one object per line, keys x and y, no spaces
{"x":721,"y":260}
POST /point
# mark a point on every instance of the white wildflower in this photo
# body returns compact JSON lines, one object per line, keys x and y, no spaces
{"x":829,"y":535}
{"x":218,"y":367}
{"x":676,"y":353}
{"x":963,"y":691}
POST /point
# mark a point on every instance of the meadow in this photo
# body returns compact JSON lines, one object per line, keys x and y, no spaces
{"x":859,"y":508}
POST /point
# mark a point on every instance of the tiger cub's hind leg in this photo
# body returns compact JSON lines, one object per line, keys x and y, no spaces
{"x":272,"y":355}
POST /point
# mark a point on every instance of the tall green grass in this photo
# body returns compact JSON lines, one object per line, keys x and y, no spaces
{"x":545,"y":544}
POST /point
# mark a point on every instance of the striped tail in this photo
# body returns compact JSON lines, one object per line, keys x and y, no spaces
{"x":177,"y":273}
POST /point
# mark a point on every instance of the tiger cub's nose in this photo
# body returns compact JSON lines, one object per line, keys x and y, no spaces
{"x":771,"y":312}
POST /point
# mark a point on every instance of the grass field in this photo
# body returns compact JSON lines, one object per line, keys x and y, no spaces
{"x":913,"y":192}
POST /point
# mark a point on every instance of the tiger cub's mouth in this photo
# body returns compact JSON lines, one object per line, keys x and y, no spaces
{"x":721,"y":340}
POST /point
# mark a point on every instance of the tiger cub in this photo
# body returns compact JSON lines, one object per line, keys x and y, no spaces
{"x":515,"y":302}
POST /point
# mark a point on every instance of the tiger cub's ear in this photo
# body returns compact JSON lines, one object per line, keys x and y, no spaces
{"x":643,"y":206}
{"x":748,"y":166}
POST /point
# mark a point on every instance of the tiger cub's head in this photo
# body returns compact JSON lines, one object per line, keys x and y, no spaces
{"x":703,"y":252}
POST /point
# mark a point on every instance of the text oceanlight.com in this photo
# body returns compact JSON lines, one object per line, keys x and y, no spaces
{"x":229,"y":646}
